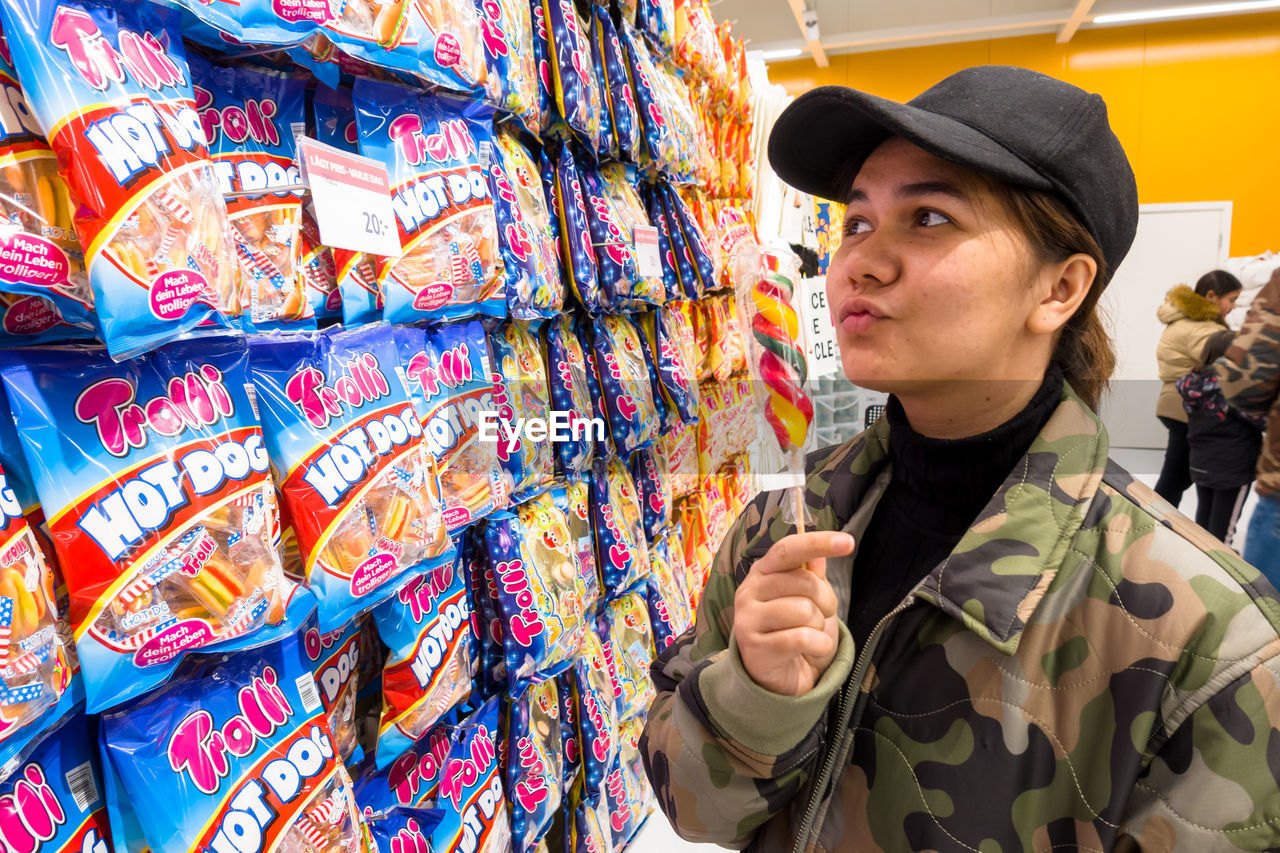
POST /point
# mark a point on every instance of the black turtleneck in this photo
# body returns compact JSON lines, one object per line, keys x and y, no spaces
{"x":937,"y":489}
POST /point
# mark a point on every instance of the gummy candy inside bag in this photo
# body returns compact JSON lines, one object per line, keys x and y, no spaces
{"x":450,"y":377}
{"x":113,"y":82}
{"x":470,"y":791}
{"x":335,"y":661}
{"x":528,"y":231}
{"x":571,"y":396}
{"x":623,"y":374}
{"x":512,"y":81}
{"x":619,"y":531}
{"x":519,"y":362}
{"x":248,"y":116}
{"x":451,"y":266}
{"x":594,"y":689}
{"x":156,"y":483}
{"x":347,"y":445}
{"x":432,"y":659}
{"x":631,"y":636}
{"x":534,"y":763}
{"x":201,"y":759}
{"x":539,"y":590}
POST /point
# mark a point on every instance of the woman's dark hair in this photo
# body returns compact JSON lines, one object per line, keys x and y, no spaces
{"x":1084,"y":350}
{"x":1218,"y":282}
{"x":1216,"y":347}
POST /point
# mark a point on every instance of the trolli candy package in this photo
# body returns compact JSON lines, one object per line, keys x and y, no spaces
{"x":620,"y":282}
{"x":450,"y":378}
{"x":594,"y":690}
{"x":248,"y":115}
{"x":576,"y":91}
{"x":432,"y":659}
{"x":518,"y":361}
{"x":619,"y":98}
{"x":570,"y":395}
{"x":571,"y":764}
{"x":620,"y":540}
{"x":676,"y":382}
{"x":512,"y":82}
{"x":657,"y":20}
{"x":652,"y":475}
{"x":334,"y":659}
{"x":573,"y":498}
{"x":44,"y":288}
{"x":346,"y":444}
{"x":617,"y":181}
{"x":542,"y":57}
{"x":404,"y":829}
{"x":660,"y":145}
{"x":53,"y":800}
{"x":631,"y":636}
{"x":156,"y":484}
{"x":470,"y":792}
{"x":451,"y":266}
{"x":235,"y":754}
{"x":576,"y":250}
{"x":624,"y":380}
{"x":35,"y":668}
{"x":669,"y":612}
{"x":528,"y":235}
{"x":110,"y":82}
{"x":413,"y":778}
{"x":534,"y":763}
{"x":317,"y":270}
{"x":539,"y":592}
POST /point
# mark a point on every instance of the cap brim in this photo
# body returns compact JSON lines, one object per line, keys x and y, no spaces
{"x":822,"y":138}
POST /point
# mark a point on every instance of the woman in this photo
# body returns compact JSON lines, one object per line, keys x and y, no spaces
{"x":1224,"y":443}
{"x":1190,"y":317}
{"x":1026,"y":651}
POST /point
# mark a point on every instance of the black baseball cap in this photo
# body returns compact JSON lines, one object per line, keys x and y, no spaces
{"x":1015,"y":124}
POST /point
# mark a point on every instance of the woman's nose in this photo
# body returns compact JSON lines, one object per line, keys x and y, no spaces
{"x":872,"y":261}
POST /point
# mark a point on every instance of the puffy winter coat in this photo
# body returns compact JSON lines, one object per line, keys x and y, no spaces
{"x":1224,"y":442}
{"x":1189,"y":320}
{"x":1087,"y":670}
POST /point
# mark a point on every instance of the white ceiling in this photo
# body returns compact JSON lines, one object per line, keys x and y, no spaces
{"x":848,"y":26}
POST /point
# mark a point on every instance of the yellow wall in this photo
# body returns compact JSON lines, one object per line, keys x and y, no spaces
{"x":1196,"y":103}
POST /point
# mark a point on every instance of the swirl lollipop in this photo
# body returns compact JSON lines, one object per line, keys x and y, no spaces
{"x":778,"y":358}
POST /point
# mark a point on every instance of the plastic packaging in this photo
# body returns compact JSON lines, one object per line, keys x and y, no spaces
{"x":471,"y":790}
{"x":117,"y":92}
{"x":156,"y":483}
{"x":615,"y":514}
{"x":571,"y":397}
{"x":534,"y":763}
{"x":572,"y":70}
{"x":624,"y":380}
{"x":631,"y":637}
{"x":347,"y":444}
{"x":334,"y":659}
{"x":518,"y":360}
{"x":530,"y":249}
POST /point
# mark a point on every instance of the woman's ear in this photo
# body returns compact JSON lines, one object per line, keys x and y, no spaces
{"x":1067,"y":284}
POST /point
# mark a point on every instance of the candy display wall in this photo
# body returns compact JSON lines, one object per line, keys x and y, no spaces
{"x":284,"y":565}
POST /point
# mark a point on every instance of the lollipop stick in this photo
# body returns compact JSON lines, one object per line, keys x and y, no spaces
{"x":796,"y":461}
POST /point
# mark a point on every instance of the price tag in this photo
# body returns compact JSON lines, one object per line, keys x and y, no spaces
{"x":819,"y":331}
{"x":644,"y":238}
{"x":351,"y":196}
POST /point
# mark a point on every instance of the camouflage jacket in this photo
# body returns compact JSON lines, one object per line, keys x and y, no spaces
{"x":1087,"y":670}
{"x":1250,"y":377}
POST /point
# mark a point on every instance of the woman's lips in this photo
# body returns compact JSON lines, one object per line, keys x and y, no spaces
{"x":858,"y":315}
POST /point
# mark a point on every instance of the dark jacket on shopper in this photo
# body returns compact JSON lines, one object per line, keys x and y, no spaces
{"x":1190,"y":319}
{"x":1087,"y":670}
{"x":1250,"y":377}
{"x":1225,"y":442}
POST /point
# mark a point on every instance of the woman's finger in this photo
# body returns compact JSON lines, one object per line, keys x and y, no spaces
{"x":792,"y":552}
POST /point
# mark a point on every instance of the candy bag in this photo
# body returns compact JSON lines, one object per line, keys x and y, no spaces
{"x":113,"y":82}
{"x":669,"y":610}
{"x":652,"y":475}
{"x":628,"y":795}
{"x":512,"y":81}
{"x":686,"y":271}
{"x":576,"y":249}
{"x":413,"y":778}
{"x":657,"y":217}
{"x":249,"y":116}
{"x":451,"y":266}
{"x":617,"y":183}
{"x":518,"y":359}
{"x":619,"y":532}
{"x":657,"y":20}
{"x":587,"y":823}
{"x":53,"y":798}
{"x":449,"y":377}
{"x":576,"y":91}
{"x":534,"y":763}
{"x":619,"y":99}
{"x":691,"y":236}
{"x":616,"y":263}
{"x":486,"y":623}
{"x":631,"y":636}
{"x":238,"y":747}
{"x":571,"y":396}
{"x":624,"y":379}
{"x":527,"y":229}
{"x":542,"y":58}
{"x":347,"y":446}
{"x":680,"y":447}
{"x":539,"y":592}
{"x":471,"y":789}
{"x":317,"y":270}
{"x":659,"y":143}
{"x":677,"y":385}
{"x":334,"y":659}
{"x":403,"y":829}
{"x":427,"y":625}
{"x":44,"y":288}
{"x":155,"y":481}
{"x":594,"y":689}
{"x":573,"y":498}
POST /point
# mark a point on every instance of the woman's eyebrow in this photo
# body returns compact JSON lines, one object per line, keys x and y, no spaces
{"x":915,"y":190}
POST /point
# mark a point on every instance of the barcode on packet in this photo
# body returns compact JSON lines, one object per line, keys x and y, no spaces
{"x":84,"y":790}
{"x":485,"y":149}
{"x":308,"y":692}
{"x":251,"y":391}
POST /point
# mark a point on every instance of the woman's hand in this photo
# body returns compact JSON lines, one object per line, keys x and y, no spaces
{"x":784,"y":613}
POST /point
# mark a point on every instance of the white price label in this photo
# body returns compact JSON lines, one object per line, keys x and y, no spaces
{"x":351,"y":196}
{"x":649,"y":260}
{"x":819,"y":331}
